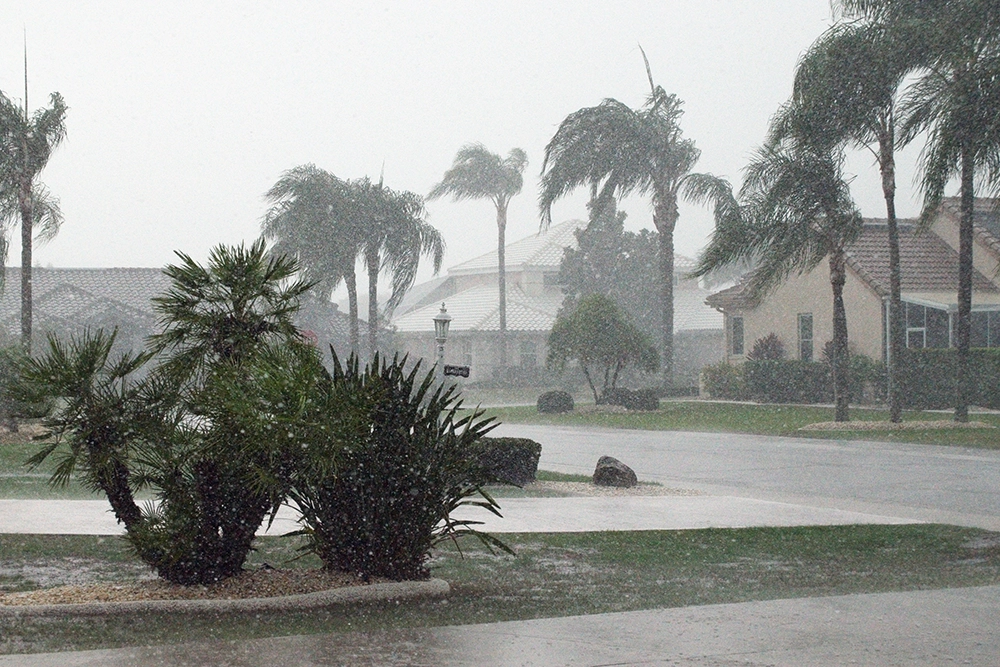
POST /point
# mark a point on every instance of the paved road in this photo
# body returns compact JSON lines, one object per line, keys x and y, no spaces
{"x":927,"y":483}
{"x":930,"y":628}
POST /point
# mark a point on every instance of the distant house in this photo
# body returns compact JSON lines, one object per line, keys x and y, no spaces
{"x":69,"y":301}
{"x":800,"y":311}
{"x":533,"y":300}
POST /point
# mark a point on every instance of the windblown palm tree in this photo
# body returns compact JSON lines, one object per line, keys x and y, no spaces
{"x":796,"y":210}
{"x":310,"y":217}
{"x":26,"y":143}
{"x":955,"y":100}
{"x":479,"y":174}
{"x":617,"y":150}
{"x":846,"y":91}
{"x":395,"y":237}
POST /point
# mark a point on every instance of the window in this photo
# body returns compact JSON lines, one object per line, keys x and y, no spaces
{"x":985,"y":329}
{"x":806,"y":336}
{"x":926,"y":327}
{"x":467,"y":353}
{"x":528,"y":354}
{"x":736,"y":335}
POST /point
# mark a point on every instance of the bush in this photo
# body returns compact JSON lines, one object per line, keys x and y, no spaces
{"x":510,"y":460}
{"x":726,"y":381}
{"x":768,"y":348}
{"x":788,"y":381}
{"x":555,"y":401}
{"x":928,"y":378}
{"x":405,"y":461}
{"x":643,"y":399}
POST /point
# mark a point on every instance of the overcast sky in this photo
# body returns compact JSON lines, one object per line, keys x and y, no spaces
{"x":182,"y":114}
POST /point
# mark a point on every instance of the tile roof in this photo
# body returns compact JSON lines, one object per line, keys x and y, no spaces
{"x":985,"y":220}
{"x":542,"y":249}
{"x":927,"y":263}
{"x":477,"y":309}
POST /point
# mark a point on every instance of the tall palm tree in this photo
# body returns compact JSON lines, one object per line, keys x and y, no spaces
{"x":955,"y":101}
{"x":395,"y":237}
{"x":617,"y":150}
{"x":311,"y":217}
{"x":795,"y":210}
{"x":477,"y":173}
{"x":26,"y":143}
{"x":846,"y":88}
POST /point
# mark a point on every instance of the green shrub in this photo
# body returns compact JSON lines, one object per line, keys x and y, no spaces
{"x":788,"y":381}
{"x":726,"y":381}
{"x":405,"y":461}
{"x":556,"y":401}
{"x":643,"y":399}
{"x":769,"y":347}
{"x":510,"y":460}
{"x":928,"y":378}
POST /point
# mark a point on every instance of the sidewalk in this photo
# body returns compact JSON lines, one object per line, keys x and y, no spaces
{"x":932,"y":628}
{"x":520,"y":515}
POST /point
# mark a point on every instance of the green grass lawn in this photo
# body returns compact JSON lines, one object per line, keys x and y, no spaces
{"x":553,"y":575}
{"x":763,"y":420}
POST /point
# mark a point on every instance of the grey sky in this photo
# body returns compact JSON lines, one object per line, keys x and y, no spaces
{"x":183,"y":113}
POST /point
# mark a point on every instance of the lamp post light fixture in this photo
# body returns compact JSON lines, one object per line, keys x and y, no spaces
{"x":441,"y":323}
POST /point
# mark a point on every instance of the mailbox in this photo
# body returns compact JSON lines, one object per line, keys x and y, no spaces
{"x":459,"y":371}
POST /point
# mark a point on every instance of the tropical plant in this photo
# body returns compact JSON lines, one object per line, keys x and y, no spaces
{"x":617,"y":150}
{"x":26,"y":143}
{"x":847,"y":86}
{"x":600,"y":338}
{"x":796,"y":210}
{"x":311,"y":218}
{"x":405,"y":461}
{"x":477,"y":173}
{"x":395,"y":237}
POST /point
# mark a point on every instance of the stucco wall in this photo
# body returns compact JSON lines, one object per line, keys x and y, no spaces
{"x":811,"y":293}
{"x":982,"y":259}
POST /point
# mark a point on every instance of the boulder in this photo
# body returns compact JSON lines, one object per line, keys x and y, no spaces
{"x":612,"y":472}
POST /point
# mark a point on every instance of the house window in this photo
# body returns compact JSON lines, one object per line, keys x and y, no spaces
{"x":806,"y":336}
{"x":467,"y":352}
{"x":736,"y":335}
{"x":528,"y":354}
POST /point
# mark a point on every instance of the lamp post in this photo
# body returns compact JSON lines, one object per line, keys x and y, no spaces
{"x":441,"y":322}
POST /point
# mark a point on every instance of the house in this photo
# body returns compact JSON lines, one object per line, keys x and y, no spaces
{"x":534,"y":297}
{"x":800,"y":311}
{"x":68,"y":301}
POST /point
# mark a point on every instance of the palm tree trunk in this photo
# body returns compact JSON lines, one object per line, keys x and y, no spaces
{"x":502,"y":279}
{"x":963,"y":326}
{"x":841,"y":382}
{"x":372,"y":262}
{"x":351,"y":280}
{"x":665,"y":219}
{"x":887,"y":165}
{"x":24,"y":201}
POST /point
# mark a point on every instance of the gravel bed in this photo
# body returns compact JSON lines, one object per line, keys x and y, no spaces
{"x":589,"y":489}
{"x":261,"y":583}
{"x":890,"y":426}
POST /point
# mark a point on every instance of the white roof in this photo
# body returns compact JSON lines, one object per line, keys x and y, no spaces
{"x":544,"y":249}
{"x":478,"y":309}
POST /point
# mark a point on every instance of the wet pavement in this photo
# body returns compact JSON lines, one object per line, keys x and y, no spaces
{"x":954,"y":626}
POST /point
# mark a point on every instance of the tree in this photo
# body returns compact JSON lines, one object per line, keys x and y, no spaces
{"x":311,"y":217}
{"x":477,"y":173}
{"x":620,"y":264}
{"x":617,"y":150}
{"x":26,"y":143}
{"x":847,"y":86}
{"x":795,"y":210}
{"x":599,"y":336}
{"x":395,"y":236}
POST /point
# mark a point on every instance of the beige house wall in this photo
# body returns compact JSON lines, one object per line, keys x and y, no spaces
{"x":811,"y":293}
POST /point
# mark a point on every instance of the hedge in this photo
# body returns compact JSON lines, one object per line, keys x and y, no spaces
{"x":928,"y":378}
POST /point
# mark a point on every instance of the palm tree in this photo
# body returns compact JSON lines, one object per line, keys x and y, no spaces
{"x":795,"y":210}
{"x":310,"y":217}
{"x":395,"y":237}
{"x":477,"y":173}
{"x":846,"y":86}
{"x":617,"y":150}
{"x":954,"y":101}
{"x":26,"y":143}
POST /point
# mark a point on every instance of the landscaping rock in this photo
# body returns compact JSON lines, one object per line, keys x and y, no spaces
{"x":612,"y":472}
